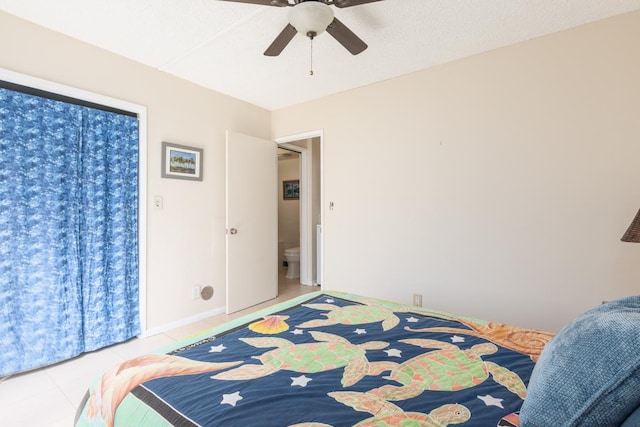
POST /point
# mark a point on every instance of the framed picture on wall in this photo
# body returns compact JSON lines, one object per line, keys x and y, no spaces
{"x":291,"y":189}
{"x":181,"y":162}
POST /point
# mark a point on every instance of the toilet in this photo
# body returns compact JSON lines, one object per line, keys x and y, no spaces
{"x":292,"y":255}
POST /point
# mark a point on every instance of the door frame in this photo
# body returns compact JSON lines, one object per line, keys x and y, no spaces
{"x":306,"y":215}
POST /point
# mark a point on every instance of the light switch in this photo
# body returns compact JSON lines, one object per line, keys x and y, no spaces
{"x":157,"y":203}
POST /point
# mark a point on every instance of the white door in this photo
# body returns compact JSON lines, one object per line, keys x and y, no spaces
{"x":251,"y":221}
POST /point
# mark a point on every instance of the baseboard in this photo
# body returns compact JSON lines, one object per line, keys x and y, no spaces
{"x":183,"y":322}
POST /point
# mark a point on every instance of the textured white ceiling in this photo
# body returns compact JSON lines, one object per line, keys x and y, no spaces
{"x":219,"y":44}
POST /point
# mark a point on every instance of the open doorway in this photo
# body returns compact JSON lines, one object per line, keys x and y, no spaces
{"x":288,"y":219}
{"x":308,"y":148}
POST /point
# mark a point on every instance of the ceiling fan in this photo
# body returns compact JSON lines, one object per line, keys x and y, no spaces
{"x":310,"y":18}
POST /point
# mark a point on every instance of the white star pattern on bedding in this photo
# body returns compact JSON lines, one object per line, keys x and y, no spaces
{"x":393,"y":352}
{"x":217,"y":348}
{"x":491,"y":401}
{"x":231,"y":399}
{"x":301,"y":381}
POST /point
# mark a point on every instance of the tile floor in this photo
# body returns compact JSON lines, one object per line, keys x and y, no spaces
{"x":50,"y":396}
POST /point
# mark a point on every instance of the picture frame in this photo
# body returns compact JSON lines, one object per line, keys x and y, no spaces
{"x":181,"y":162}
{"x":291,"y":189}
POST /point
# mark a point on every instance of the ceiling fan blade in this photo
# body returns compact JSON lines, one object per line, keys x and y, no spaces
{"x":279,"y":3}
{"x":281,"y":41}
{"x":348,"y":3}
{"x":346,"y":37}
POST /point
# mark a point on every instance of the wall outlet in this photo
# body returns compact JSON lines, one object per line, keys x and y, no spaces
{"x":417,"y":300}
{"x":195,"y":292}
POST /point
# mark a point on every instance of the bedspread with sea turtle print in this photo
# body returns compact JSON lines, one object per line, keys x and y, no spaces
{"x":327,"y":359}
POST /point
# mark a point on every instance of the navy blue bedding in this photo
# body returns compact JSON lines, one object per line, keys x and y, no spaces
{"x":328,"y":359}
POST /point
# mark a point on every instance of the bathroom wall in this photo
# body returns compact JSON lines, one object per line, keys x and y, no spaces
{"x":288,"y":210}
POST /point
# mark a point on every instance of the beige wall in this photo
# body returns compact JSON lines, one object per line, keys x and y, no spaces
{"x":498,"y":186}
{"x":185,"y":245}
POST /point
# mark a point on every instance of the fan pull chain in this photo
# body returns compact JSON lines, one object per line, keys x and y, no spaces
{"x":311,"y":70}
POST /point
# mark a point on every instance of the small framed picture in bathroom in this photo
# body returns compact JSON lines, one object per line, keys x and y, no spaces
{"x":291,"y":189}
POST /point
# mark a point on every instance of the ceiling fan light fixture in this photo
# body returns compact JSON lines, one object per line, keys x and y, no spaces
{"x":310,"y":18}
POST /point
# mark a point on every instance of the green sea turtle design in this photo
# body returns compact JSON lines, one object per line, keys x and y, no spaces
{"x":527,"y":341}
{"x":446,"y":369}
{"x":353,"y":315}
{"x":330,"y":352}
{"x":388,"y":414}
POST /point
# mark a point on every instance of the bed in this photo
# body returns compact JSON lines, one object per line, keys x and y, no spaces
{"x":328,"y":359}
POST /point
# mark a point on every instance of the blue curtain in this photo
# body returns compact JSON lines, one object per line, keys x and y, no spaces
{"x":68,"y":230}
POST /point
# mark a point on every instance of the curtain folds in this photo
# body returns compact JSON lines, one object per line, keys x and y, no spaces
{"x":68,"y":230}
{"x":109,"y":227}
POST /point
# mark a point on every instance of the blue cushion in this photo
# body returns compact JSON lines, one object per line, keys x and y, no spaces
{"x":633,"y":420}
{"x":588,"y":374}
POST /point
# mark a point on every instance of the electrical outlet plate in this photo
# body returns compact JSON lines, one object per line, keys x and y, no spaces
{"x":195,"y":292}
{"x":417,"y":300}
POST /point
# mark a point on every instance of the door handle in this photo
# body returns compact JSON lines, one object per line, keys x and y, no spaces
{"x":233,"y":231}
